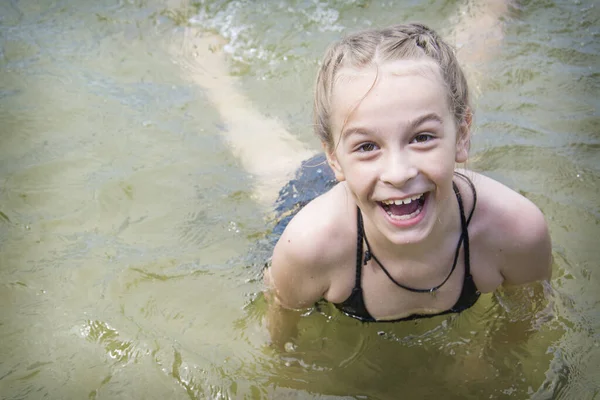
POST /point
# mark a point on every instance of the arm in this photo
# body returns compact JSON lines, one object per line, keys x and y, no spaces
{"x":531,"y":258}
{"x":295,"y":281}
{"x":515,"y":234}
{"x":281,"y":322}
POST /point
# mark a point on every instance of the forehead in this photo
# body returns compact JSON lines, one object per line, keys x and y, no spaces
{"x":404,"y":87}
{"x":396,"y":67}
{"x":357,"y":79}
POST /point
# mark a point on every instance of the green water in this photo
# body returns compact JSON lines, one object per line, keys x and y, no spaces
{"x":131,"y":247}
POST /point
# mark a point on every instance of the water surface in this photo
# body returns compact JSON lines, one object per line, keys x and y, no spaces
{"x":131,"y":245}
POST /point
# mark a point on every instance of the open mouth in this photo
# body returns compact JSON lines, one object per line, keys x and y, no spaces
{"x":404,"y":209}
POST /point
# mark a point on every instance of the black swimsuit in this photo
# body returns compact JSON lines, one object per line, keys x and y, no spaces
{"x":354,"y":306}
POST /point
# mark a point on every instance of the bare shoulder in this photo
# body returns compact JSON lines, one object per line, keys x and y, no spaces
{"x":310,"y":249}
{"x":513,"y":231}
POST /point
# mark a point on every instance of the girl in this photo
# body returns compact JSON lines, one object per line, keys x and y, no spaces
{"x":403,"y":234}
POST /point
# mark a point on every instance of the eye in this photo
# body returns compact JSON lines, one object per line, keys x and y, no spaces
{"x":366,"y":147}
{"x":422,"y":138}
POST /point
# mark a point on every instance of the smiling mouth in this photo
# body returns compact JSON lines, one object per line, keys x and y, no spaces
{"x":404,"y":209}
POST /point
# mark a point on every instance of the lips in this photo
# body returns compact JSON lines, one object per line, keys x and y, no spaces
{"x":404,"y":209}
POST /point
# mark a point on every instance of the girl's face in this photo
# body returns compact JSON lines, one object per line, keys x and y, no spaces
{"x":396,"y":145}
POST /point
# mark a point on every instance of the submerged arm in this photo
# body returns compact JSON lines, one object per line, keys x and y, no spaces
{"x":282,"y":322}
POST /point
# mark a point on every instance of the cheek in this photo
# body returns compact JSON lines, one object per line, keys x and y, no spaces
{"x":440,"y":165}
{"x":360,"y":177}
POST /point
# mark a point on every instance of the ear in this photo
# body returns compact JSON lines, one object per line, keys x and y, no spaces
{"x":463,"y":138}
{"x":334,"y":163}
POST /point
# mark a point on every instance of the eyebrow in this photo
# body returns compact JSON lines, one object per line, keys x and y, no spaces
{"x":412,"y":124}
{"x":354,"y":131}
{"x":424,"y":118}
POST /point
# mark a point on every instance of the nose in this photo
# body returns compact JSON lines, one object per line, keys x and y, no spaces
{"x":397,"y":169}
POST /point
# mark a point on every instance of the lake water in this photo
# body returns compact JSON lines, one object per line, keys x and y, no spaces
{"x":131,"y":245}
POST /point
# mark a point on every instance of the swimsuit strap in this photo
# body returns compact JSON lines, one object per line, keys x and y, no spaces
{"x":359,"y":247}
{"x":462,"y":216}
{"x":464,"y":238}
{"x":466,"y":179}
{"x":465,"y":231}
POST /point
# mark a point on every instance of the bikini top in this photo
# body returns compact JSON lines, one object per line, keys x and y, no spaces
{"x":354,"y":306}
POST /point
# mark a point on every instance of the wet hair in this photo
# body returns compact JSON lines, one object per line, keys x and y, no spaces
{"x":377,"y":46}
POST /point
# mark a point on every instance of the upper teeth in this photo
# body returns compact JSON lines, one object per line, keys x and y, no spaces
{"x":402,"y":201}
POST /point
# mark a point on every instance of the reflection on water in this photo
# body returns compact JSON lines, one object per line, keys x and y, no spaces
{"x":131,"y":246}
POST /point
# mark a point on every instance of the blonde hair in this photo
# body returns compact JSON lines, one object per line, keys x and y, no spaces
{"x":376,"y":46}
